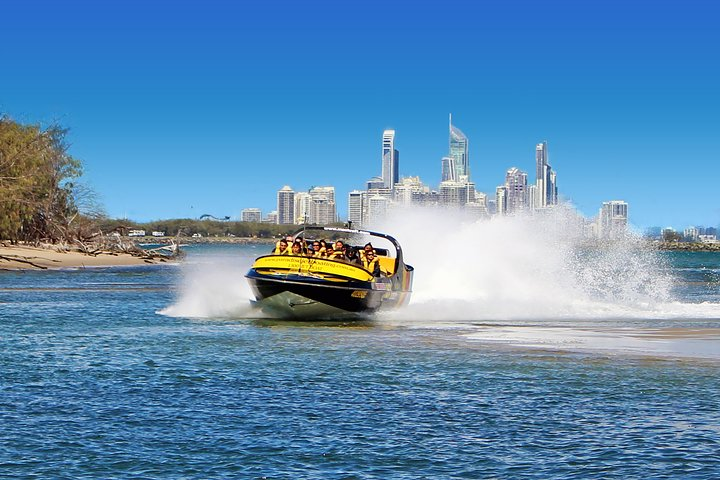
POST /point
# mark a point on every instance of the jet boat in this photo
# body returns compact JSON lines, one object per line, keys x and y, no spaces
{"x":308,"y":287}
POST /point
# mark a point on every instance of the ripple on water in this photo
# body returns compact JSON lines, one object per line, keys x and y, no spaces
{"x":102,"y":387}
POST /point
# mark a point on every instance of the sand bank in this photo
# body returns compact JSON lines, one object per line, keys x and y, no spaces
{"x":33,"y":258}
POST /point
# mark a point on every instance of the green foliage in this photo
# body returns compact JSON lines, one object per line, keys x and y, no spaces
{"x":36,"y":189}
{"x":207,"y":228}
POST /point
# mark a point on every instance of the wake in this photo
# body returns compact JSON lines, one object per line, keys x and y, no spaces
{"x":530,"y":268}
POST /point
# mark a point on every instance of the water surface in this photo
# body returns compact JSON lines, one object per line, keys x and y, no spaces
{"x":154,"y":372}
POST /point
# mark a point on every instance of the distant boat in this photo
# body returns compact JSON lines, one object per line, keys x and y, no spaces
{"x":308,"y":287}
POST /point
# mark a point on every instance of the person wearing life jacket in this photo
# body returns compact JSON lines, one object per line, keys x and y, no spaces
{"x":296,"y":249}
{"x":281,"y":247}
{"x":371,"y":264}
{"x":317,"y":250}
{"x":337,"y":251}
{"x":320,"y":252}
{"x":367,"y":248}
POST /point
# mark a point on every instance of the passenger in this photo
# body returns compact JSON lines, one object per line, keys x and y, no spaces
{"x":323,"y":248}
{"x":371,"y":264}
{"x":296,"y":249}
{"x":302,"y":243}
{"x":317,"y":249}
{"x":337,"y":252}
{"x":281,"y":248}
{"x":351,"y":255}
{"x":367,"y":248}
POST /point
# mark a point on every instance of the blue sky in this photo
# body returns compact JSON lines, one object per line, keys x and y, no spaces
{"x":183,"y":108}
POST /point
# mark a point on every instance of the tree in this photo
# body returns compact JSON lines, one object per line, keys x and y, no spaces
{"x":37,"y":198}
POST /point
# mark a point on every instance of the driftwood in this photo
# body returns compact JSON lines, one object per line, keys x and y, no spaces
{"x":21,"y":259}
{"x":98,"y":243}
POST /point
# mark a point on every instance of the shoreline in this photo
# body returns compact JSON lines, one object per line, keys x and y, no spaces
{"x":25,"y":257}
{"x":657,"y":245}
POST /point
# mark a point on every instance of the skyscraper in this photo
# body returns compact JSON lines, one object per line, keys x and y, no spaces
{"x":356,"y":204}
{"x":390,"y":160}
{"x":456,"y":193}
{"x":516,"y":190}
{"x":545,"y":178}
{"x":449,"y":172}
{"x":323,"y":210}
{"x":286,"y":205}
{"x":459,"y":152}
{"x":303,"y":202}
{"x":501,"y":200}
{"x":377,"y":208}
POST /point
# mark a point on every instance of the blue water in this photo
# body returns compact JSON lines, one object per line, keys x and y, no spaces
{"x":98,"y":379}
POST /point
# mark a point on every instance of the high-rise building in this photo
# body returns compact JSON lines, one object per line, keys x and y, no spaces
{"x":501,"y":200}
{"x":390,"y":159}
{"x":377,"y":208}
{"x":459,"y":152}
{"x":323,"y":192}
{"x":546,"y":180}
{"x":692,"y":233}
{"x":532,"y":197}
{"x":303,"y":202}
{"x":552,"y":188}
{"x":375,"y":183}
{"x":517,"y":190}
{"x":323,"y":210}
{"x":286,"y":205}
{"x":356,"y":207}
{"x":449,"y":173}
{"x":410,"y":190}
{"x":613,"y":219}
{"x":251,"y":215}
{"x":456,"y":193}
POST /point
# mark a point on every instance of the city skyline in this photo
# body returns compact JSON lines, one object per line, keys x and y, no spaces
{"x":516,"y":195}
{"x":211,"y":108}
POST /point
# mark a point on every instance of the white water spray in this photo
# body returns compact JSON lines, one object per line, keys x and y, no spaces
{"x":526,"y":267}
{"x":214,"y":286}
{"x":531,"y":267}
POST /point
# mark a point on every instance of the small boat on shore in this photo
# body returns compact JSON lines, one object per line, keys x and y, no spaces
{"x":305,"y":286}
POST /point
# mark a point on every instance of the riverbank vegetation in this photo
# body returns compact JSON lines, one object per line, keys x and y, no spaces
{"x":186,"y":227}
{"x":40,"y":198}
{"x":43,"y":204}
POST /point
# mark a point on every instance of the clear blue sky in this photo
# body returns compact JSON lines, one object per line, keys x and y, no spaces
{"x":183,"y":108}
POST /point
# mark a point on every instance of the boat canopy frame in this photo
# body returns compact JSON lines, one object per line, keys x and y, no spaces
{"x":398,"y":249}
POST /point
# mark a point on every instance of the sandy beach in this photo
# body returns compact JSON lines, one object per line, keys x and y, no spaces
{"x":33,"y":258}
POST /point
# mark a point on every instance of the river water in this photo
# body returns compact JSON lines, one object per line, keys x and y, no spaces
{"x":603,"y":366}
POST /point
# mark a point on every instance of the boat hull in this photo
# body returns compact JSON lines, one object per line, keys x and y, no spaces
{"x":298,"y":296}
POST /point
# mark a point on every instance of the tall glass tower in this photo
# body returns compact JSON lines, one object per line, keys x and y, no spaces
{"x":449,"y":172}
{"x":390,"y":160}
{"x":546,"y":179}
{"x":459,"y":152}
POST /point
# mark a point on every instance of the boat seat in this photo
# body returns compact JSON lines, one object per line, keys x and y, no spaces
{"x":387,"y":264}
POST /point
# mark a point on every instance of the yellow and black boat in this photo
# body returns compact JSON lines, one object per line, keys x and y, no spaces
{"x":309,"y":287}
